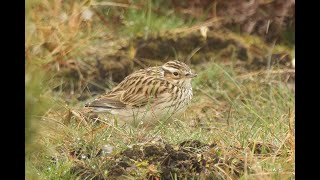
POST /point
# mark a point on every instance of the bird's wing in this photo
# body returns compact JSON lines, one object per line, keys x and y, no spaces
{"x":111,"y":100}
{"x":145,"y":91}
{"x":108,"y":101}
{"x":135,"y":90}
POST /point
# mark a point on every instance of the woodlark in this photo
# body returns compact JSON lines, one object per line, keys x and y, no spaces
{"x":150,"y":93}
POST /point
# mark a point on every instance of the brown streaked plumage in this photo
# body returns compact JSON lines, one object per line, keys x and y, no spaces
{"x":149,"y":93}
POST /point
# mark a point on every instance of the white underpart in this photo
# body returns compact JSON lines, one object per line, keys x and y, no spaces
{"x":152,"y":114}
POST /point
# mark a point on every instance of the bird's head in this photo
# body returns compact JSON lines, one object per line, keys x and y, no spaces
{"x":178,"y":73}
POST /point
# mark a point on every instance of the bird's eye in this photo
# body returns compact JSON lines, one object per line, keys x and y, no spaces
{"x":175,"y":73}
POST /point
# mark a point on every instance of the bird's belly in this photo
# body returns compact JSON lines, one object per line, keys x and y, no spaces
{"x":149,"y":113}
{"x":157,"y":111}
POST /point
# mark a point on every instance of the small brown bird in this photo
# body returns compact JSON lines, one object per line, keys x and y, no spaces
{"x":150,"y":93}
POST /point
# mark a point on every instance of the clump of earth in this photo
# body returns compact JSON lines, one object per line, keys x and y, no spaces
{"x":161,"y":160}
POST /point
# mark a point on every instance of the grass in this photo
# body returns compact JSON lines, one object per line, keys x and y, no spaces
{"x":256,"y":111}
{"x":146,"y":22}
{"x":250,"y":116}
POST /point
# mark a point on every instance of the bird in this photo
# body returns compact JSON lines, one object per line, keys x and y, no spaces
{"x":149,"y":94}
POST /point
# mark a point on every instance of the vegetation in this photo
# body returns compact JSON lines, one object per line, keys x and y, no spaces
{"x":240,"y":124}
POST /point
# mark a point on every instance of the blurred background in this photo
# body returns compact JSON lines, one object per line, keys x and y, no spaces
{"x":77,"y":49}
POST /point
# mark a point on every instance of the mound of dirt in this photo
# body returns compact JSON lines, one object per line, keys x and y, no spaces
{"x":160,"y":160}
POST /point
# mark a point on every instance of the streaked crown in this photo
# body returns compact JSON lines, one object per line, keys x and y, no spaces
{"x":178,"y":73}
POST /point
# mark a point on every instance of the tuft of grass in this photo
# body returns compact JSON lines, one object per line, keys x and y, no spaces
{"x":58,"y":31}
{"x":146,"y":21}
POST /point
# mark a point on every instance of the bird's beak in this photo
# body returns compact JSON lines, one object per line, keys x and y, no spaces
{"x":191,"y":75}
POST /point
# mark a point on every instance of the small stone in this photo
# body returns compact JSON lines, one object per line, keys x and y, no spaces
{"x":107,"y":149}
{"x":87,"y":15}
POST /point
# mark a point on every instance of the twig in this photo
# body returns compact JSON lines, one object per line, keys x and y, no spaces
{"x":226,"y":174}
{"x":207,"y":23}
{"x":269,"y":59}
{"x":229,"y":112}
{"x":139,"y":63}
{"x":224,"y":131}
{"x":115,"y":4}
{"x":194,"y":51}
{"x":51,"y":119}
{"x":103,"y":126}
{"x":81,"y":118}
{"x":101,"y":17}
{"x":270,"y":173}
{"x":244,"y":76}
{"x":212,"y":98}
